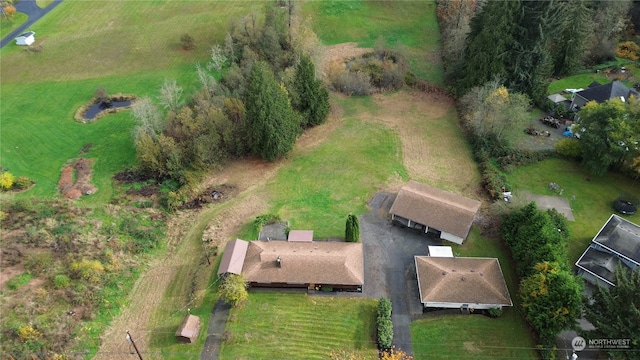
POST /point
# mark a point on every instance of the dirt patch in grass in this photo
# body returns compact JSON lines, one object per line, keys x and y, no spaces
{"x":340,"y":52}
{"x":82,"y":170}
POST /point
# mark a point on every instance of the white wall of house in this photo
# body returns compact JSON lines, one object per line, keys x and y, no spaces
{"x":449,"y":305}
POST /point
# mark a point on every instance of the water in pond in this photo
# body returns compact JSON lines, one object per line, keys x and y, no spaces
{"x":97,"y":108}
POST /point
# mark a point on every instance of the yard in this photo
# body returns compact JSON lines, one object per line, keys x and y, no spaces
{"x":368,"y":144}
{"x":276,"y":325}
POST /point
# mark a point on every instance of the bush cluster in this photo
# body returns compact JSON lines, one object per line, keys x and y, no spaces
{"x":382,"y":70}
{"x":569,"y":148}
{"x":384,"y":324}
{"x":551,"y":294}
{"x":9,"y":182}
{"x":518,"y":157}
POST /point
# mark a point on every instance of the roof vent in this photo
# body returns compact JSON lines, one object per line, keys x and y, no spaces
{"x":279,"y":262}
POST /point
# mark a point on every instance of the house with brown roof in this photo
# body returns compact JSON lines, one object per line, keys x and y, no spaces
{"x":617,"y":243}
{"x":300,"y":264}
{"x":435,"y":211}
{"x":465,"y":283}
{"x":233,"y":257}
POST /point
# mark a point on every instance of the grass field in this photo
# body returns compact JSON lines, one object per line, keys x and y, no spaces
{"x":298,"y":326}
{"x":6,"y":27}
{"x":319,"y":189}
{"x":413,"y":25}
{"x":89,"y":45}
{"x":594,"y":196}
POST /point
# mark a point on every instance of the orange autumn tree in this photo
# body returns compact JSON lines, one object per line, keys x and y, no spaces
{"x":395,"y":354}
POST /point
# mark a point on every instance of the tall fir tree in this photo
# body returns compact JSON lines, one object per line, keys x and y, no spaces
{"x":567,"y":48}
{"x":271,"y":124}
{"x":615,"y":312}
{"x":489,"y":43}
{"x":352,"y":229}
{"x":310,"y":99}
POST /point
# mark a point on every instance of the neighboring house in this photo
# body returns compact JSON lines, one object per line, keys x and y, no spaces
{"x":26,"y":38}
{"x":431,"y":210}
{"x":618,"y":242}
{"x":299,"y":264}
{"x":465,"y":283}
{"x":601,"y":93}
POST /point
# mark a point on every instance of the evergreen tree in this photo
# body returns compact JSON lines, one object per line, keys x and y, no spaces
{"x":615,"y":311}
{"x":489,"y":43}
{"x":271,"y":124}
{"x":352,"y":229}
{"x":311,"y":99}
{"x":567,"y":48}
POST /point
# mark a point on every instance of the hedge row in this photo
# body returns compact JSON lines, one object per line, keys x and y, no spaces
{"x":384,"y":324}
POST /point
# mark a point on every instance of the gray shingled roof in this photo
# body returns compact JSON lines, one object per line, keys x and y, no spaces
{"x":439,"y":209}
{"x":461,"y":280}
{"x":316,"y":262}
{"x":602,"y":93}
{"x":233,"y":257}
{"x":620,"y":236}
{"x":601,"y":263}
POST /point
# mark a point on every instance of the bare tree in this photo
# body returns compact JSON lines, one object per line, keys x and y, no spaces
{"x":218,"y":58}
{"x":148,"y":117}
{"x":170,"y":95}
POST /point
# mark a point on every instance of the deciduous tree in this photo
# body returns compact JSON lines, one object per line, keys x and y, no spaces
{"x":552,"y":300}
{"x":233,"y":290}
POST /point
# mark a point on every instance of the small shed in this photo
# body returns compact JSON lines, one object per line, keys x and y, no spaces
{"x":189,"y":329}
{"x":26,"y":38}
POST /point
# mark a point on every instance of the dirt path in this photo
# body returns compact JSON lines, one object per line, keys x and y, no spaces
{"x":184,"y":239}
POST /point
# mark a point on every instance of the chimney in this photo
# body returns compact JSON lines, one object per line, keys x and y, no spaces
{"x":279,"y":262}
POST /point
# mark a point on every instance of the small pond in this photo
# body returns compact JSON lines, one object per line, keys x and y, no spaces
{"x":97,"y":108}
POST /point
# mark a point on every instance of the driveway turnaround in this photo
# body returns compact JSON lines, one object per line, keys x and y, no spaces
{"x":32,"y":10}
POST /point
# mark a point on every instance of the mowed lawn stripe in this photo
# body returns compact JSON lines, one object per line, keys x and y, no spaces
{"x":298,"y":326}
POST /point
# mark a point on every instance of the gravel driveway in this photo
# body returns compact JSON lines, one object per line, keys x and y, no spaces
{"x":389,"y":265}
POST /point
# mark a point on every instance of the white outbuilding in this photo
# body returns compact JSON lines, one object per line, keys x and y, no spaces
{"x":26,"y":38}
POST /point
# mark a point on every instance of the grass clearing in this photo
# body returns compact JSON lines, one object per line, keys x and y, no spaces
{"x":297,"y":326}
{"x":593,"y":201}
{"x":409,"y":24}
{"x":577,"y":81}
{"x":320,"y":188}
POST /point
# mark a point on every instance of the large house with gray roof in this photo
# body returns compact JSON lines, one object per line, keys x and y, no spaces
{"x":617,"y":243}
{"x":600,"y":93}
{"x":465,"y":283}
{"x":431,"y":210}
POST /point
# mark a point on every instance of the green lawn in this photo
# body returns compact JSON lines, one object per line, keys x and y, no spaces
{"x":126,"y":47}
{"x":297,"y":326}
{"x":320,"y":188}
{"x":6,"y":27}
{"x":577,"y":82}
{"x":412,"y":24}
{"x":470,"y":337}
{"x":594,"y":196}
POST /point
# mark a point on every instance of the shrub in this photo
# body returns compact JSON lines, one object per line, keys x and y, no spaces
{"x":89,"y":270}
{"x":61,"y":281}
{"x":495,"y":312}
{"x":266,"y":219}
{"x":22,"y":182}
{"x":385,"y":333}
{"x":187,"y":42}
{"x":28,"y":332}
{"x":569,"y":148}
{"x":384,"y":308}
{"x":517,"y":157}
{"x":352,"y":83}
{"x":38,"y":262}
{"x":384,"y":324}
{"x":18,"y":281}
{"x":6,"y":180}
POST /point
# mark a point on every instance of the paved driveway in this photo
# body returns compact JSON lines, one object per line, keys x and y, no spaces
{"x":32,"y":10}
{"x":389,"y":266}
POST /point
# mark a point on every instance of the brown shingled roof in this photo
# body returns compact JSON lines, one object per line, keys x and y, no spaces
{"x":233,"y":257}
{"x":300,"y":235}
{"x":438,"y":209}
{"x":461,"y":280}
{"x":317,"y":262}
